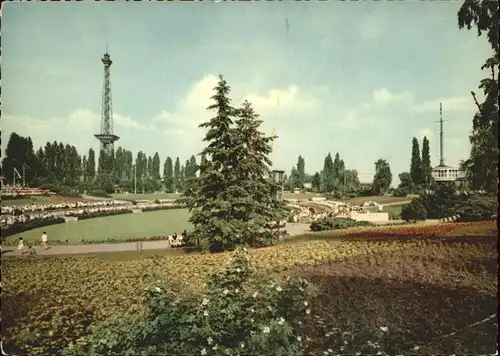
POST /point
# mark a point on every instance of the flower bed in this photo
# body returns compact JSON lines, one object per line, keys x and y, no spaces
{"x":28,"y":225}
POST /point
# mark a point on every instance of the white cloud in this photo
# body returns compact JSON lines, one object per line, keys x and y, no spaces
{"x":449,"y":104}
{"x":385,"y":97}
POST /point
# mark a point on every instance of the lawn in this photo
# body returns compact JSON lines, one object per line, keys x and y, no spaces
{"x":381,"y":199}
{"x":153,"y":223}
{"x":396,"y":209}
{"x":146,"y":196}
{"x":406,"y":279}
{"x":54,"y":199}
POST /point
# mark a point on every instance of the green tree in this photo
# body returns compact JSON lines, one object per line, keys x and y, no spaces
{"x":328,"y":175}
{"x":155,"y":167}
{"x":383,"y":177}
{"x":168,"y":175}
{"x":18,"y":154}
{"x":338,"y":172}
{"x":177,"y":175}
{"x":482,"y":165}
{"x":301,"y":170}
{"x":90,"y":168}
{"x":426,"y":164}
{"x":416,"y":163}
{"x":352,"y":181}
{"x":294,"y":178}
{"x":316,"y":182}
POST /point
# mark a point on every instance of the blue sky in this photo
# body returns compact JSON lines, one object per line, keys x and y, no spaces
{"x":360,"y":79}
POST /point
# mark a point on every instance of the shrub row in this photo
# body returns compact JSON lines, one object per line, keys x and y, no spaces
{"x":337,"y":223}
{"x":169,"y":207}
{"x":100,"y":214}
{"x":445,"y":202}
{"x":29,"y":225}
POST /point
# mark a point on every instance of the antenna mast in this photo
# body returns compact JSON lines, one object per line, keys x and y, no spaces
{"x":441,"y":139}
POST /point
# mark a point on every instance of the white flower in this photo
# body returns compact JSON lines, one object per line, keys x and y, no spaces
{"x":341,"y":348}
{"x":328,"y":334}
{"x":306,"y":303}
{"x":205,"y":313}
{"x":236,"y":290}
{"x":210,"y":340}
{"x":301,"y":289}
{"x":242,"y":345}
{"x":384,"y":328}
{"x":379,"y":353}
{"x":325,"y":352}
{"x":270,"y":309}
{"x":330,"y":350}
{"x":51,"y":333}
{"x":251,"y":320}
{"x":203,"y":351}
{"x":158,"y":289}
{"x":299,"y":338}
{"x":266,"y":330}
{"x":215,"y":347}
{"x":252,"y":310}
{"x":358,"y":353}
{"x":416,"y":348}
{"x":345,"y":342}
{"x":255,"y":294}
{"x":225,"y":291}
{"x":205,"y":301}
{"x":308,"y":311}
{"x":300,"y":323}
{"x":238,"y":270}
{"x":281,"y":321}
{"x":279,"y":289}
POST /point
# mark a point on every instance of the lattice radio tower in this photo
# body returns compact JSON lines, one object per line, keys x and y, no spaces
{"x":107,"y":137}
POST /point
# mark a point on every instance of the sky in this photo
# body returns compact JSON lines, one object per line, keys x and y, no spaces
{"x":357,"y":78}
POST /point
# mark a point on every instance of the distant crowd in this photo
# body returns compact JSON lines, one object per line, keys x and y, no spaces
{"x":89,"y":208}
{"x":31,"y":208}
{"x":14,"y":191}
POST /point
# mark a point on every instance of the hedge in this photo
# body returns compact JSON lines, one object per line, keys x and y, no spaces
{"x":337,"y":223}
{"x":29,"y":225}
{"x":100,"y":214}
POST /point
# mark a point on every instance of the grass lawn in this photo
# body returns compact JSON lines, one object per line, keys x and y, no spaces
{"x":55,"y":199}
{"x":381,"y":199}
{"x":153,"y":223}
{"x":147,"y":196}
{"x":393,"y":208}
{"x":404,"y":278}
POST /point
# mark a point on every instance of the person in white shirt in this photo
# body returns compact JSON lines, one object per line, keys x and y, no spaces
{"x":20,"y":246}
{"x":44,"y":240}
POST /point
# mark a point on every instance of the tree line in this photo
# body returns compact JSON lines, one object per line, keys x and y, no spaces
{"x":335,"y":179}
{"x":62,"y":165}
{"x":419,"y":178}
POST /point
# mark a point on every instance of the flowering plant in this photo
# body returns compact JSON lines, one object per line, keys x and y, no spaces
{"x":236,"y":315}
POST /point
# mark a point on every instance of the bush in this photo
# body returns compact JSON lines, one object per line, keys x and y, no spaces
{"x":155,"y":208}
{"x":99,"y":193}
{"x":337,"y":223}
{"x":29,"y":225}
{"x":400,"y":192}
{"x":236,"y":315}
{"x":100,"y":214}
{"x":476,"y":208}
{"x":415,"y":211}
{"x":157,"y":201}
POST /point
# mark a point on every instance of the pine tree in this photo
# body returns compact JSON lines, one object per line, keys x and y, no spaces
{"x":416,"y":163}
{"x":209,"y":200}
{"x":328,"y":175}
{"x":301,"y":170}
{"x":254,"y":198}
{"x":233,"y":200}
{"x":168,"y":175}
{"x":177,"y":175}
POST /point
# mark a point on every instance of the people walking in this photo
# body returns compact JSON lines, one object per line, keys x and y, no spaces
{"x":20,"y":246}
{"x":44,"y":240}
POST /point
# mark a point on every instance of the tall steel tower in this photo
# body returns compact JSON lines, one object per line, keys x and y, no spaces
{"x":107,"y":137}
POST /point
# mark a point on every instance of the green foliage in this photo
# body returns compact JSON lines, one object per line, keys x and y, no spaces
{"x":416,"y":173}
{"x":400,"y":192}
{"x":316,"y":182}
{"x":426,"y":167}
{"x":168,"y":175}
{"x":383,"y":177}
{"x":233,"y":200}
{"x":99,"y":193}
{"x":337,"y":224}
{"x":238,"y":314}
{"x":477,"y":208}
{"x":100,"y":214}
{"x":415,"y":211}
{"x":28,"y":225}
{"x":482,"y":166}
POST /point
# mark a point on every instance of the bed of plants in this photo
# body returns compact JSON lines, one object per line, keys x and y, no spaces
{"x":328,"y":223}
{"x":48,"y":303}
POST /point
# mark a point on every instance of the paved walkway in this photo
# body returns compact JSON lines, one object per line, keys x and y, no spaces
{"x":293,"y":230}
